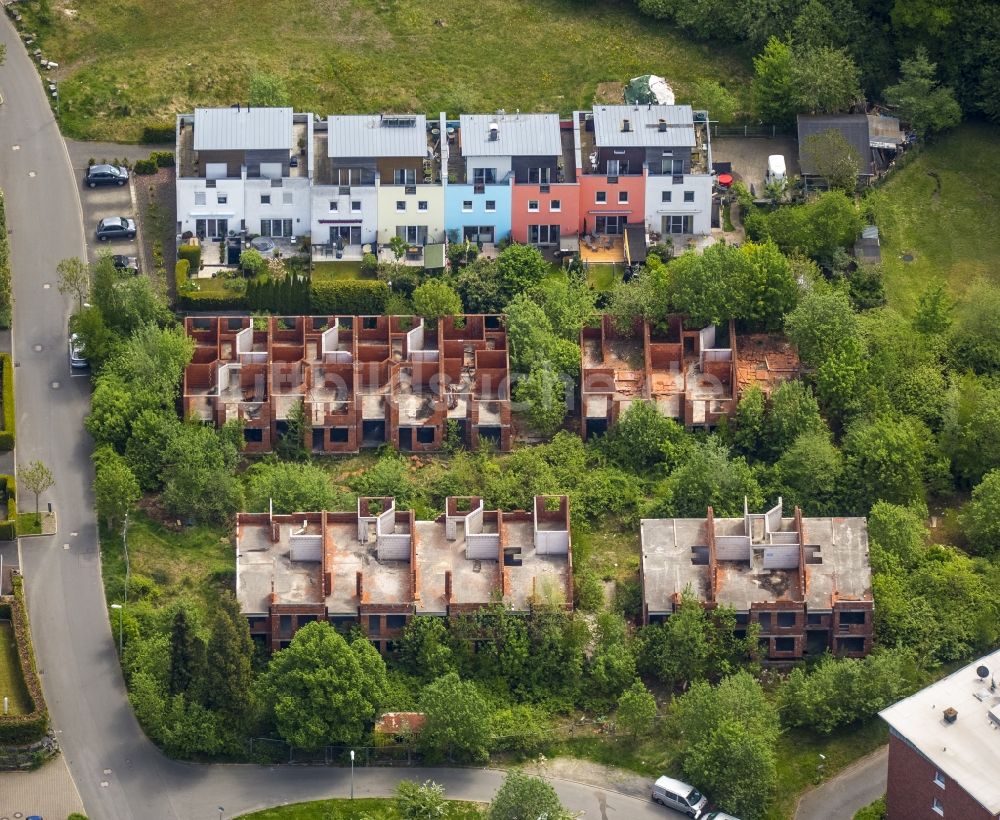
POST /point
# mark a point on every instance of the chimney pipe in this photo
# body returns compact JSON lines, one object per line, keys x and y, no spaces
{"x":663,"y":125}
{"x":950,"y":714}
{"x":494,"y":132}
{"x":626,"y":125}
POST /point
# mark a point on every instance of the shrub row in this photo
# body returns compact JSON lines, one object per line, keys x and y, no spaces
{"x":8,"y":494}
{"x":192,"y":253}
{"x":5,"y":292}
{"x":163,"y":159}
{"x":287,"y":297}
{"x":181,"y":270}
{"x":158,"y":133}
{"x":144,"y":167}
{"x":349,"y":297}
{"x":17,"y":729}
{"x":211,"y":300}
{"x":7,"y":379}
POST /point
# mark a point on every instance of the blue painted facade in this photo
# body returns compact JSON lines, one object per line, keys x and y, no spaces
{"x":457,"y":219}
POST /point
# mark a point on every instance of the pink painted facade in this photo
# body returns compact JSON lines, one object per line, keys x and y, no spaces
{"x":525,"y":196}
{"x":633,"y":210}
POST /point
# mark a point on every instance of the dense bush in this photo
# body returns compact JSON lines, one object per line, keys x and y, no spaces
{"x":8,"y":494}
{"x":144,"y":167}
{"x":9,"y":414}
{"x":158,"y":133}
{"x":211,"y":300}
{"x":181,"y":270}
{"x":192,"y":253}
{"x":358,"y":297}
{"x":288,"y":296}
{"x":163,"y":159}
{"x":6,"y":304}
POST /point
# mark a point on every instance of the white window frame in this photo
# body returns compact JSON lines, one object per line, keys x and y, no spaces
{"x":221,"y":198}
{"x":466,"y":206}
{"x":666,"y":196}
{"x":533,"y":206}
{"x":333,"y":206}
{"x":936,"y":807}
{"x":422,"y":205}
{"x":689,"y":196}
{"x":601,"y":197}
{"x":939,"y":779}
{"x":400,"y":206}
{"x":555,"y":206}
{"x":623,"y":197}
{"x":265,"y":199}
{"x":490,"y":206}
{"x":199,"y":197}
{"x":355,"y":206}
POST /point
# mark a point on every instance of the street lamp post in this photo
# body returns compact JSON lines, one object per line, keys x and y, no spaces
{"x":352,"y":774}
{"x":120,"y":609}
{"x":221,"y":810}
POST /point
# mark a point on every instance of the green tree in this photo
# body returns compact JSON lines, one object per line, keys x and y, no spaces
{"x":884,"y":459}
{"x":228,"y":673}
{"x":612,"y":665}
{"x":645,"y":296}
{"x":817,"y":229}
{"x":970,"y":428}
{"x":934,"y":307}
{"x":809,"y":474}
{"x":435,"y":299}
{"x":199,"y":469}
{"x":721,"y":104}
{"x":898,"y":532}
{"x":74,"y":279}
{"x":316,"y":687}
{"x":420,"y":801}
{"x":833,"y":158}
{"x":975,"y":339}
{"x":520,"y":268}
{"x":294,"y":443}
{"x":751,"y":411}
{"x":544,"y":393}
{"x":252,"y":262}
{"x":154,"y":358}
{"x":820,"y":323}
{"x":457,"y":720}
{"x":187,"y":655}
{"x":707,"y":478}
{"x":533,"y":340}
{"x":825,"y":80}
{"x":568,"y":303}
{"x":637,"y":710}
{"x":793,"y":412}
{"x":522,"y":796}
{"x":290,"y":486}
{"x":97,"y":338}
{"x":268,"y":90}
{"x":480,"y":286}
{"x":36,"y":478}
{"x":773,"y":83}
{"x":644,"y":439}
{"x":922,"y":102}
{"x":148,"y":442}
{"x":980,"y":518}
{"x":113,"y":406}
{"x":116,"y":490}
{"x":424,"y":648}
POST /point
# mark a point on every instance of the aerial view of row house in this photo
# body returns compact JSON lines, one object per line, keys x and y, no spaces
{"x":362,"y":380}
{"x":690,"y":375}
{"x":612,"y":177}
{"x":378,"y":566}
{"x":806,"y":581}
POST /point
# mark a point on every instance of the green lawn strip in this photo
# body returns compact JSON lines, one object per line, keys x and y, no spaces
{"x":338,"y":270}
{"x":368,"y":808}
{"x":28,"y":524}
{"x":370,"y":55}
{"x":603,"y":275}
{"x":11,"y":682}
{"x":197,"y":561}
{"x":951,"y":232}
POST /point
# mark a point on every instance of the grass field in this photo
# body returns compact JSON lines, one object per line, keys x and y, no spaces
{"x":27,"y":524}
{"x":941,"y":209}
{"x":362,"y":809}
{"x":338,"y":270}
{"x":122,"y":69}
{"x":11,"y":683}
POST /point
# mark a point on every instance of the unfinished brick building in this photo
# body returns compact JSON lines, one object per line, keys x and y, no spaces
{"x":690,"y":375}
{"x":378,"y":566}
{"x":363,"y":380}
{"x":806,"y":581}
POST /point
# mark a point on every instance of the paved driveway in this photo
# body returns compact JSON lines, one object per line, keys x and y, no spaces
{"x":749,"y":157}
{"x":105,"y":200}
{"x":861,"y":783}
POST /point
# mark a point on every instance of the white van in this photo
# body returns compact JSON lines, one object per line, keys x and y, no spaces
{"x":775,"y":168}
{"x":679,"y":796}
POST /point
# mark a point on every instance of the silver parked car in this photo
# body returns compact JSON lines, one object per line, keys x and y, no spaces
{"x":115,"y":227}
{"x":76,"y":358}
{"x":679,"y":796}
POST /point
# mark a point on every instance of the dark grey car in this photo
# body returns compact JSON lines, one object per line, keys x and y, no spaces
{"x":106,"y":175}
{"x":115,"y":227}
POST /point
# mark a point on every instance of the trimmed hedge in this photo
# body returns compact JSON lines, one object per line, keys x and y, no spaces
{"x":193,"y":255}
{"x":9,"y":414}
{"x":8,"y":493}
{"x":349,"y":297}
{"x":163,"y":159}
{"x":144,"y":167}
{"x":18,"y":729}
{"x":158,"y":133}
{"x":6,"y":304}
{"x":287,"y":297}
{"x":199,"y":300}
{"x":181,"y":270}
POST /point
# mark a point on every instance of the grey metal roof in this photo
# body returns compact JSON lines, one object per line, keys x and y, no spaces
{"x":853,"y":127}
{"x":518,"y":135}
{"x":644,"y":126}
{"x":377,"y":135}
{"x":242,"y":129}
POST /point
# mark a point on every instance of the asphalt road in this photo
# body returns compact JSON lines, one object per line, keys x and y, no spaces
{"x":120,"y":775}
{"x":841,"y":796}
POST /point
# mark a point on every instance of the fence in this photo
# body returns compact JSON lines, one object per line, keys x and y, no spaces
{"x":747,"y":130}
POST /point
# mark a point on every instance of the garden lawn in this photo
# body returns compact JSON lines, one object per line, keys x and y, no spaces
{"x":952,"y":232}
{"x":11,"y":682}
{"x":197,"y":561}
{"x":28,"y":524}
{"x":122,"y":71}
{"x":602,"y":276}
{"x":328,"y":271}
{"x":362,"y":809}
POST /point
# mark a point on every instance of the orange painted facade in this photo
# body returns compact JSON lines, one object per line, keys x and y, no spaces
{"x":634,"y":210}
{"x":566,"y":194}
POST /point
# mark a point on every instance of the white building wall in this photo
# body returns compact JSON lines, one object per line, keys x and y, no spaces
{"x":189,"y":209}
{"x":501,"y":164}
{"x":297,"y":209}
{"x":700,"y":210}
{"x":322,"y":217}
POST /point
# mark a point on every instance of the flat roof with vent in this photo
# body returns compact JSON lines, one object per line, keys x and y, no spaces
{"x":966,"y":748}
{"x":645,"y":129}
{"x":242,"y":129}
{"x":377,"y":135}
{"x":517,"y":135}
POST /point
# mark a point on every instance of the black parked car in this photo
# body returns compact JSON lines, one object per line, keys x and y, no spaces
{"x":106,"y":175}
{"x":128,"y":264}
{"x":115,"y":227}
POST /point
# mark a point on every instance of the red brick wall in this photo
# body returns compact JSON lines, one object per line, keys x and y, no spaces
{"x":911,"y":790}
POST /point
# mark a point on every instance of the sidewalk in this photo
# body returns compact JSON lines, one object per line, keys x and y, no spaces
{"x":48,"y":792}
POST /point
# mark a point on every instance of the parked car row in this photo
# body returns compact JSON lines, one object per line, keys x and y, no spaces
{"x":682,"y":797}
